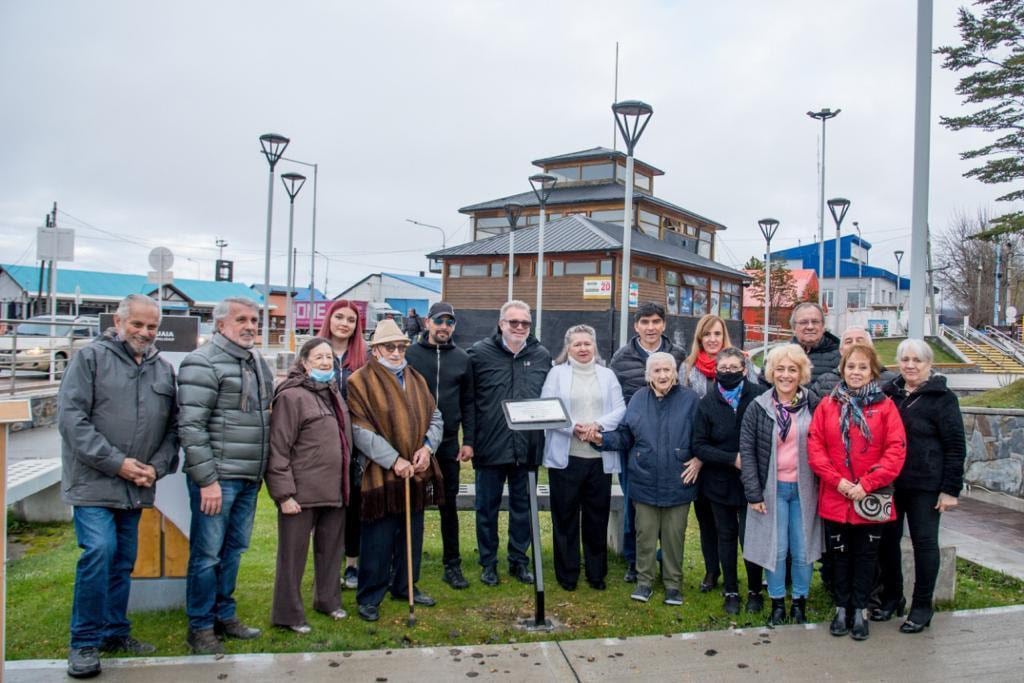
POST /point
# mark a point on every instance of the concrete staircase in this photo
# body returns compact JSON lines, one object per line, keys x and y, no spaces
{"x":983,"y":352}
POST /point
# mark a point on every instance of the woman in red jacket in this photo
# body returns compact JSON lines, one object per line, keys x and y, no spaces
{"x":856,"y":446}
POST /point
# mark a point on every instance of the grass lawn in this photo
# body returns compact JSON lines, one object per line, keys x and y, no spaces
{"x":1010,"y":396}
{"x":40,"y":587}
{"x":886,"y":348}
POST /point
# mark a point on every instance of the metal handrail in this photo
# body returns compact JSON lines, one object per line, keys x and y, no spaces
{"x":13,"y":365}
{"x":1010,"y":344}
{"x":966,"y":340}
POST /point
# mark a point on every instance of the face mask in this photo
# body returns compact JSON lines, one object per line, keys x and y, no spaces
{"x":729,"y":380}
{"x":321,"y":375}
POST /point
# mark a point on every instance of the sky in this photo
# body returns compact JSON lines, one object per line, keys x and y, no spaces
{"x":141,"y":120}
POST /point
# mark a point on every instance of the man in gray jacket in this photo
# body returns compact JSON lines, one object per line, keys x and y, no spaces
{"x":117,"y":421}
{"x":224,"y":394}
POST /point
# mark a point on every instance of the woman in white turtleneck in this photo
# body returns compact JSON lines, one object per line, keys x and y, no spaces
{"x":580,"y":476}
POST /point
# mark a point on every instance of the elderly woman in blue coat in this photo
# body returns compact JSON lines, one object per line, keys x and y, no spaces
{"x":580,"y":477}
{"x":656,"y":434}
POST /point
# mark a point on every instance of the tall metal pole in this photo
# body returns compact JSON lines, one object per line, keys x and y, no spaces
{"x":293,"y":182}
{"x":542,"y":185}
{"x":825,"y":114}
{"x":512,"y":212}
{"x":899,"y":281}
{"x":768,"y":227}
{"x":273,"y":147}
{"x":860,"y":268}
{"x":838,"y":207}
{"x":444,"y":245}
{"x":312,"y":249}
{"x":922,"y":154}
{"x":998,"y":284}
{"x":632,"y":117}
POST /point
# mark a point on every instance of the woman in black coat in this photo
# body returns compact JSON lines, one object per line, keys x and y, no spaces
{"x":929,"y":484}
{"x":716,"y":443}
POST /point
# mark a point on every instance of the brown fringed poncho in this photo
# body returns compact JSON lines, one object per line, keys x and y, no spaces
{"x":378,"y":403}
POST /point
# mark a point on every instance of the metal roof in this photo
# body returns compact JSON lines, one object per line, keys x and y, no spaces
{"x":594,"y":153}
{"x":115,"y":286}
{"x":585,"y":194}
{"x":430,"y":283}
{"x":581,"y":234}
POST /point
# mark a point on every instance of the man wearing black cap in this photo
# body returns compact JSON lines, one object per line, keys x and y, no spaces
{"x":446,"y":368}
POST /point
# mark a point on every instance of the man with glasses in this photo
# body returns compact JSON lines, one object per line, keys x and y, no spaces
{"x":446,"y":368}
{"x":827,"y":381}
{"x":396,"y":427}
{"x":822,"y":347}
{"x":511,"y":364}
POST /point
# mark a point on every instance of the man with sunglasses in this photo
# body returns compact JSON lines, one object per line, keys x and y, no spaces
{"x":446,"y":368}
{"x":510,"y":364}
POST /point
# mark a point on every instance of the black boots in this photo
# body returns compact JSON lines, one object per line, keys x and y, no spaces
{"x":859,"y":630}
{"x":885,"y":612}
{"x":798,"y":611}
{"x":778,"y":616}
{"x":840,"y":626}
{"x":917,"y":621}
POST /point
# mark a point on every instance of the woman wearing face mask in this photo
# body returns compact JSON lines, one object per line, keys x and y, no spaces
{"x":780,"y":488}
{"x":307,"y":476}
{"x":656,"y":433}
{"x":856,"y":447}
{"x":580,"y":477}
{"x":697,"y":372}
{"x":928,"y":485}
{"x":716,"y":441}
{"x":343,"y":328}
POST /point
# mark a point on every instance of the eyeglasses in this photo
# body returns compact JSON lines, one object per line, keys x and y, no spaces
{"x":391,"y":348}
{"x":525,"y":324}
{"x":808,"y":323}
{"x":444,"y":321}
{"x":729,"y":368}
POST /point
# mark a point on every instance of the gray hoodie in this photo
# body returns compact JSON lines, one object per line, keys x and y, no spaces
{"x":110,"y":408}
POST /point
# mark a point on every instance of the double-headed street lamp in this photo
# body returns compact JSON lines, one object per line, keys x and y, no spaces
{"x":838,"y":207}
{"x":824,"y":115}
{"x":542,"y":185}
{"x":632,"y":117}
{"x":312,"y":248}
{"x":273,"y":146}
{"x":293,"y":182}
{"x":768,"y":227}
{"x":513,"y":210}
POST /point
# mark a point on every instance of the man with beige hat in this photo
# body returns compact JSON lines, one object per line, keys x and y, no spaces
{"x":396,"y":427}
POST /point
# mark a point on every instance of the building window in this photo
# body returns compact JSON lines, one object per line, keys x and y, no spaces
{"x":826,"y":298}
{"x":707,"y":239}
{"x":475,"y":270}
{"x":648,"y":222}
{"x":454,"y":270}
{"x":562,"y":268}
{"x":608,"y":215}
{"x":645,"y":272}
{"x":566,"y":173}
{"x":597,"y":172}
{"x":497,"y":269}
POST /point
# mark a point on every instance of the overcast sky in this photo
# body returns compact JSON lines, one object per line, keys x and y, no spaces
{"x":142,"y":120}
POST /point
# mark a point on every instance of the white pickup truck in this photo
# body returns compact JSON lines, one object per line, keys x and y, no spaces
{"x":40,"y":339}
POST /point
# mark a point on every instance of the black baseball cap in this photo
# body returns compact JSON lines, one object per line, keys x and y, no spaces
{"x":441,"y":308}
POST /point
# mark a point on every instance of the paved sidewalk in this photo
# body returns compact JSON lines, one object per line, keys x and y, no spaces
{"x":968,"y":645}
{"x":986,"y":534}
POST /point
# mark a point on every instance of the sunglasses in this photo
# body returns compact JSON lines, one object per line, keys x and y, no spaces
{"x":444,"y":321}
{"x":525,"y":324}
{"x":392,"y":347}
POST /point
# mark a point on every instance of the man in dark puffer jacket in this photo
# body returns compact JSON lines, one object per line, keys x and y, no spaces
{"x":629,"y":365}
{"x":224,"y":393}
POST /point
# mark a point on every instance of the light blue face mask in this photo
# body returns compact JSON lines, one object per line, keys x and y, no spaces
{"x":321,"y":375}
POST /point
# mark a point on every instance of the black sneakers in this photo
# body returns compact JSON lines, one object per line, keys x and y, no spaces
{"x":126,"y":645}
{"x":454,"y":578}
{"x":204,"y":642}
{"x":234,"y":628}
{"x":83,"y":662}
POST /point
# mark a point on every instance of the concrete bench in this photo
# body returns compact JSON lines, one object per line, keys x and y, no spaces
{"x":33,"y":491}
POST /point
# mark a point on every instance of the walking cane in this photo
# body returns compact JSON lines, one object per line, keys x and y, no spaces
{"x":408,"y":554}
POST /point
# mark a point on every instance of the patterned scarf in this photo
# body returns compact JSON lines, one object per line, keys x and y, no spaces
{"x":852,"y":403}
{"x":784,"y":411}
{"x":731,"y":396}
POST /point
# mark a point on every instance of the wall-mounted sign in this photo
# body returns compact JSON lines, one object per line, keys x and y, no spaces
{"x":177,"y":333}
{"x":634,"y":294}
{"x":878,"y":328}
{"x":597,"y":287}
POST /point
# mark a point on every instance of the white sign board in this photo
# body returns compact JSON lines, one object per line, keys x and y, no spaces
{"x":55,"y":244}
{"x":597,"y":287}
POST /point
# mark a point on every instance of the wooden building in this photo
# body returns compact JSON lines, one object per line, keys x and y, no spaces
{"x":672,"y":259}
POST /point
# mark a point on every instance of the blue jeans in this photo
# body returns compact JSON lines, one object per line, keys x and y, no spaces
{"x":109,"y":539}
{"x":216,"y":544}
{"x":789,"y":530}
{"x":489,"y":484}
{"x":382,"y":558}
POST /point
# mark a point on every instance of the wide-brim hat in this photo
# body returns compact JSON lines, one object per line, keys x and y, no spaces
{"x":387,"y":331}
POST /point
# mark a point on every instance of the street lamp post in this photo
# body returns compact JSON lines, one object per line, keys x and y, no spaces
{"x":998,"y":283}
{"x":768,"y":227}
{"x":838,"y":207}
{"x":273,"y":146}
{"x":824,"y":115}
{"x":899,"y":264}
{"x":293,"y":182}
{"x":978,"y":294}
{"x":513,"y":210}
{"x":542,"y":185}
{"x":632,"y":117}
{"x":312,"y":248}
{"x":443,"y":245}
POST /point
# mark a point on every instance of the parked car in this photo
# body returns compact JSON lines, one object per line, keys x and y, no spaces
{"x":42,"y":338}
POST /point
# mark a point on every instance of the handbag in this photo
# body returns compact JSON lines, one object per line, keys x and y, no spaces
{"x":876,"y":506}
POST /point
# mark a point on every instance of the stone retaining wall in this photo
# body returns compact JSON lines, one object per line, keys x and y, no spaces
{"x":995,"y":449}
